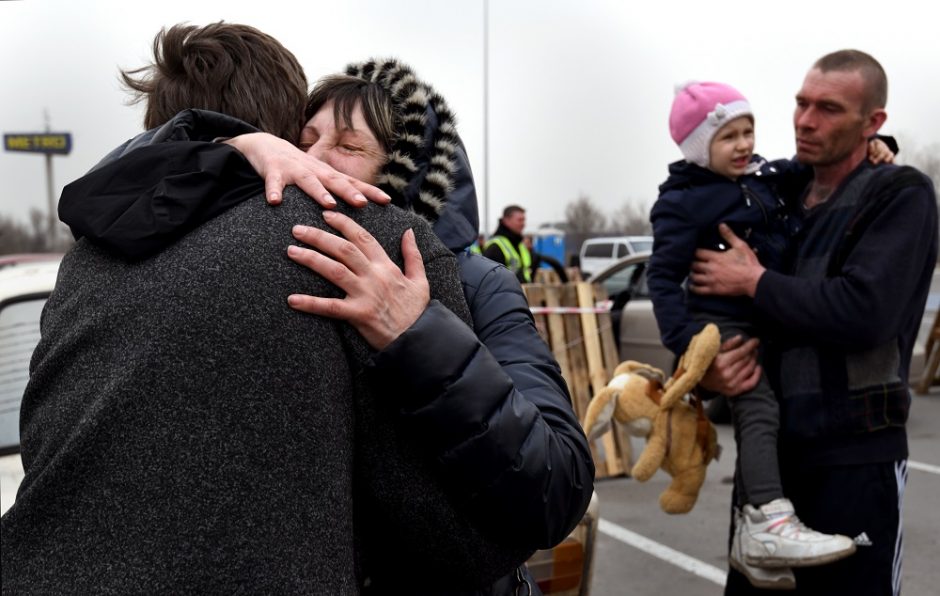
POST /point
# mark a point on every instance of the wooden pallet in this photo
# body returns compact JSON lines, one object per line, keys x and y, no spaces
{"x":931,"y":358}
{"x":583,"y":343}
{"x":550,"y":277}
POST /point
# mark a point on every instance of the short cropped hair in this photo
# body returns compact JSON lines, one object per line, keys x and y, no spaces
{"x":510,"y":210}
{"x":346,"y":92}
{"x":233,"y":69}
{"x":876,"y":81}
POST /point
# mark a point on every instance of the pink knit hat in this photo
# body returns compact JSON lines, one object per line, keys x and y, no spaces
{"x":698,"y":112}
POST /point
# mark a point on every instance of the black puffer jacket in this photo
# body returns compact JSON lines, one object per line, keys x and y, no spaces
{"x":685,"y":217}
{"x":523,"y":440}
{"x":491,"y":410}
{"x":487,"y":409}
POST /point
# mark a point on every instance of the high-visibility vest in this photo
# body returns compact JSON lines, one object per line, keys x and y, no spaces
{"x":475,"y":248}
{"x":516,"y":260}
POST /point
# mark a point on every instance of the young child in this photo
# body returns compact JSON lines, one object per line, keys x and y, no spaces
{"x":722,"y":181}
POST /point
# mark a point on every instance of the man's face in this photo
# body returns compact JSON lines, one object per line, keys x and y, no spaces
{"x":353,"y":151}
{"x":829,"y":120}
{"x":515,"y":222}
{"x":732,"y":147}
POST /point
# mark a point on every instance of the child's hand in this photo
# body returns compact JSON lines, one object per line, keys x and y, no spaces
{"x":878,"y":152}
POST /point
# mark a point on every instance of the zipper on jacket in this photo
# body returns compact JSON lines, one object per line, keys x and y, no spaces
{"x":523,"y":587}
{"x":748,"y":195}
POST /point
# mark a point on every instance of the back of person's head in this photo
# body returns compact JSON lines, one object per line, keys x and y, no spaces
{"x":876,"y":81}
{"x":346,"y":92}
{"x":699,"y":111}
{"x":512,"y":210}
{"x":233,"y":69}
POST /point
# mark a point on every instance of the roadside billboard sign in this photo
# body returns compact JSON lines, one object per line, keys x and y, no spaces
{"x":54,"y":143}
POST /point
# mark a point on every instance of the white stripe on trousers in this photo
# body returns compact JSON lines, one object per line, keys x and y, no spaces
{"x":900,"y":475}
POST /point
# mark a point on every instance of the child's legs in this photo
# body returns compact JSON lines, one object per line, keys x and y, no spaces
{"x":756,"y":419}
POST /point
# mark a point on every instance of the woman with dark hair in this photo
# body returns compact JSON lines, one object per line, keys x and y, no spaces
{"x":486,"y":414}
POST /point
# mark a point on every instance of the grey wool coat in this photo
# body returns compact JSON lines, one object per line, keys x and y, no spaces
{"x":185,"y":431}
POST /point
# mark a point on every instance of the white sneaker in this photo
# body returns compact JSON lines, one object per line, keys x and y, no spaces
{"x":772,"y":536}
{"x":778,"y":578}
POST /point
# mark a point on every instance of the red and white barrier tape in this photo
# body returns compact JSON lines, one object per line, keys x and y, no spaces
{"x":600,"y":308}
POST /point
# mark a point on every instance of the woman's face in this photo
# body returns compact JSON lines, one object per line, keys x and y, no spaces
{"x":352,"y":151}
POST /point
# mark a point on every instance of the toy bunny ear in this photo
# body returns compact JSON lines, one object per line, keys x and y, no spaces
{"x":599,"y":413}
{"x":627,"y":366}
{"x":632,"y":366}
{"x":692,"y":366}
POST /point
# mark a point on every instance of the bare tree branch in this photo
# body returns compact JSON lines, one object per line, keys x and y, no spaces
{"x":17,"y":237}
{"x":583,"y":217}
{"x":631,"y":219}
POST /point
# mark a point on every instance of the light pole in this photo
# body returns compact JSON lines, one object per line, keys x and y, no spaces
{"x":49,"y":186}
{"x":486,"y":116}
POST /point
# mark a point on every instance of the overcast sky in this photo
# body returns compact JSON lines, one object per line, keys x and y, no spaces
{"x":579,"y":90}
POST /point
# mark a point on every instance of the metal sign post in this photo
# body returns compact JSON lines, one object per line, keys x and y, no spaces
{"x":50,"y":196}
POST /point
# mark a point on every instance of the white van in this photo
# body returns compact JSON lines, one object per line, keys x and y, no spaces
{"x":599,"y":253}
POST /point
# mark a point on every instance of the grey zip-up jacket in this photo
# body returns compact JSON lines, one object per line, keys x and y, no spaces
{"x":185,"y":431}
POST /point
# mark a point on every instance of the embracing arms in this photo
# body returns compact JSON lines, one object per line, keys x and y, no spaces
{"x":165,"y":182}
{"x":488,"y":405}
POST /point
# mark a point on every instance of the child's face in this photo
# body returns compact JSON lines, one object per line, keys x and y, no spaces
{"x":732,"y":147}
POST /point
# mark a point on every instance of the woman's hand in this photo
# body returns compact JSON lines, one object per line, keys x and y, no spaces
{"x":281,"y":163}
{"x":381,"y":301}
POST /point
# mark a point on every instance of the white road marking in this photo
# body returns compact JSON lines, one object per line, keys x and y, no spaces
{"x":916,"y":465}
{"x":661,"y":551}
{"x":684,"y":561}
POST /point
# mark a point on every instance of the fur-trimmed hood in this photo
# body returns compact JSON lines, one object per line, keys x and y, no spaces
{"x":428,"y":171}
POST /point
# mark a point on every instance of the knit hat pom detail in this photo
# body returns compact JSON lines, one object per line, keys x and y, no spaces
{"x":699,"y":111}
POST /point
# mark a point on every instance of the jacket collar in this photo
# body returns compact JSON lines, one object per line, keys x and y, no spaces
{"x":513,"y":237}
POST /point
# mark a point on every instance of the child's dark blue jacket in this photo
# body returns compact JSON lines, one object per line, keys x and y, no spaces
{"x":692,"y":202}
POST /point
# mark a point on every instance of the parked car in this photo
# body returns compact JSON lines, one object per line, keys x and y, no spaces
{"x":599,"y":253}
{"x":26,"y":281}
{"x":635,"y":331}
{"x":23,"y":258}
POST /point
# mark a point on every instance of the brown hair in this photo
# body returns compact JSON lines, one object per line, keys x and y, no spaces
{"x":233,"y":69}
{"x":512,"y":209}
{"x":876,"y":81}
{"x":346,"y":92}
